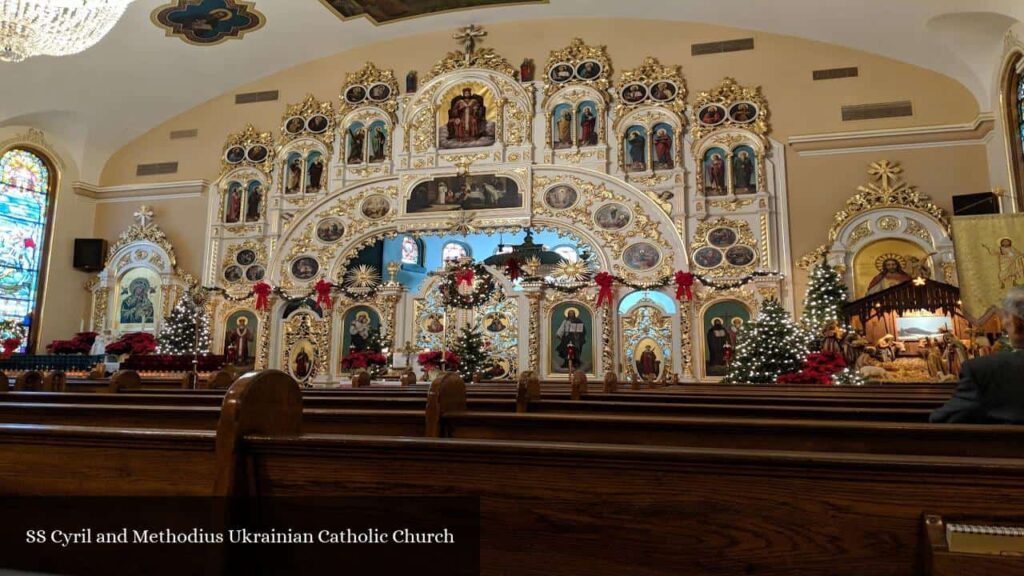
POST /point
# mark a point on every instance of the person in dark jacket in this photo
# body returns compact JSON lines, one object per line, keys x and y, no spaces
{"x":991,"y":388}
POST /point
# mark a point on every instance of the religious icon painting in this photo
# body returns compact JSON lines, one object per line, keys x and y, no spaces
{"x":561,"y":197}
{"x":433,"y":323}
{"x":571,"y":345}
{"x":294,"y":125}
{"x":139,"y":298}
{"x":330,"y":230}
{"x":302,"y":360}
{"x":714,"y":172}
{"x":233,"y":273}
{"x":743,"y":112}
{"x":471,"y":192}
{"x":648,"y":359}
{"x":292,"y":173}
{"x":722,"y":237}
{"x":375,"y":207}
{"x":662,"y":146}
{"x":495,"y":323}
{"x":234,"y":155}
{"x":721,"y":325}
{"x":561,"y":127}
{"x":379,"y":92}
{"x":355,"y":94}
{"x":740,"y":255}
{"x":314,"y":172}
{"x":744,"y":170}
{"x":254,"y":273}
{"x":257,"y":153}
{"x":240,"y":331}
{"x":356,"y":137}
{"x":613,"y":216}
{"x":318,"y":124}
{"x":711,"y":115}
{"x":588,"y":70}
{"x":233,"y":200}
{"x":561,"y":73}
{"x":641,"y":256}
{"x":664,"y":91}
{"x":467,"y":117}
{"x":586,"y":128}
{"x":635,"y":148}
{"x":253,"y":201}
{"x":361,"y":325}
{"x":245,"y":257}
{"x":305,"y":268}
{"x":634,"y":93}
{"x":708,"y":257}
{"x":208,"y":22}
{"x":378,"y":141}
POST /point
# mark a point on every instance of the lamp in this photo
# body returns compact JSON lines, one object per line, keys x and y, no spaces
{"x":54,"y":27}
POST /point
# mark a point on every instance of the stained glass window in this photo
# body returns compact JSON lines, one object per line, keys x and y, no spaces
{"x":1020,"y":115}
{"x":24,"y":196}
{"x":410,"y":251}
{"x":454,"y":251}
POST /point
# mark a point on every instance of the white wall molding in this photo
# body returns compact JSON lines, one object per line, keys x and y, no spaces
{"x":978,"y":132}
{"x":141,"y":192}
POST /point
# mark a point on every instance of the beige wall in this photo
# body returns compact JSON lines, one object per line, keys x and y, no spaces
{"x":781,"y":65}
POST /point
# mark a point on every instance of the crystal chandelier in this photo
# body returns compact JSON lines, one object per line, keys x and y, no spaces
{"x":54,"y":27}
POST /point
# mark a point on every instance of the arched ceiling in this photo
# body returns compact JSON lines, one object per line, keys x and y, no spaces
{"x":136,"y":78}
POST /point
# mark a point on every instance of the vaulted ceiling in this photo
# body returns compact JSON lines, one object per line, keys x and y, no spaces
{"x":136,"y":78}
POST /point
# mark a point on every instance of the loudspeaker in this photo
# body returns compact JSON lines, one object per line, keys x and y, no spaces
{"x":973,"y":204}
{"x":89,"y":254}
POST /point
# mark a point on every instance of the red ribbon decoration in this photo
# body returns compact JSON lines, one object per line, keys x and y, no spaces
{"x":323,"y":293}
{"x":684,"y":281}
{"x":464,"y":276}
{"x":513,"y":269}
{"x":262,"y":292}
{"x":604,"y":281}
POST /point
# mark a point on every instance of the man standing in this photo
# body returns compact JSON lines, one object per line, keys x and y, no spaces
{"x":990,"y":390}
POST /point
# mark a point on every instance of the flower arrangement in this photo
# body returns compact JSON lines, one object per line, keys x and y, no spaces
{"x":12,"y":334}
{"x":80,"y":344}
{"x":364,"y":359}
{"x":818,"y":369}
{"x":432,"y":360}
{"x":10,"y":345}
{"x":133,"y":343}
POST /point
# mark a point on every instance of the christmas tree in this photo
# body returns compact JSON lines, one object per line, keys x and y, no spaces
{"x":178,"y":335}
{"x":824,"y":301}
{"x":772,"y":345}
{"x":471,"y":349}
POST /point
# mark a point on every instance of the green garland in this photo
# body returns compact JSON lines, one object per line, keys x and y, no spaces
{"x":658,"y":284}
{"x":483,"y":287}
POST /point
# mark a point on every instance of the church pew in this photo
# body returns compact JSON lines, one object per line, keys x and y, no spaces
{"x":612,"y":509}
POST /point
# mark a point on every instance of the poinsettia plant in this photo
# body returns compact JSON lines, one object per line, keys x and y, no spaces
{"x":80,"y":344}
{"x":432,"y":360}
{"x":133,"y":343}
{"x":818,"y":369}
{"x":363,"y":359}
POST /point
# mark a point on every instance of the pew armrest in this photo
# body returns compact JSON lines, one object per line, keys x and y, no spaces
{"x":939,"y":560}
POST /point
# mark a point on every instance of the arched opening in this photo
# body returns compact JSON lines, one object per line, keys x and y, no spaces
{"x":27,"y":185}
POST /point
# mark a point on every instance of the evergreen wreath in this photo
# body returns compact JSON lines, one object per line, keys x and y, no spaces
{"x":483,"y":286}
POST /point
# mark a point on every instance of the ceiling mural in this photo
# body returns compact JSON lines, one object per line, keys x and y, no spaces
{"x":207,"y":22}
{"x":384,"y":11}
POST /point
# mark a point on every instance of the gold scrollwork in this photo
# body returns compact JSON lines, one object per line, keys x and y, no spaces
{"x":305,"y":110}
{"x":574,"y":55}
{"x":246,"y":139}
{"x":743,"y":238}
{"x":649,"y":73}
{"x":726,"y":94}
{"x":366,"y":77}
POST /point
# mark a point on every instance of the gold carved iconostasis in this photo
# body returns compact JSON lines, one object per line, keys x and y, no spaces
{"x":618,"y":172}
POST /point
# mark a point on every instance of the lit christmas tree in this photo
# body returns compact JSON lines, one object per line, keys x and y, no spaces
{"x":771,"y":345}
{"x":823,"y":304}
{"x":471,"y":349}
{"x":178,"y":335}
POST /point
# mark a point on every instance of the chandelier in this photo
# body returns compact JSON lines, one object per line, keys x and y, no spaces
{"x":54,"y":27}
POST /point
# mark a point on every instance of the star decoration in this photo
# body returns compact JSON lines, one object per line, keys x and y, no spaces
{"x":578,"y":271}
{"x":920,"y":281}
{"x":362,"y":276}
{"x":462,"y":224}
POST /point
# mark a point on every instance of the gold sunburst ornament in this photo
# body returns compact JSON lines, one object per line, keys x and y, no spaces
{"x":362,"y":277}
{"x":531,"y":265}
{"x":578,"y":271}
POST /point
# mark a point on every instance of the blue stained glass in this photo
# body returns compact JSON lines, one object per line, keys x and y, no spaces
{"x":1020,"y":88}
{"x":24,"y":194}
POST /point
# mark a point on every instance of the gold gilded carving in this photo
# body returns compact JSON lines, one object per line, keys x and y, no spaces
{"x":246,"y":139}
{"x":811,"y":259}
{"x":917,"y":229}
{"x":366,"y":77}
{"x":726,"y":94}
{"x":573,"y":55}
{"x":730,"y":205}
{"x":890,"y":191}
{"x":99,"y":308}
{"x":145,"y":231}
{"x":649,"y":73}
{"x":470,"y":56}
{"x":305,"y":110}
{"x":743,"y":237}
{"x":862,"y":231}
{"x":888,"y":223}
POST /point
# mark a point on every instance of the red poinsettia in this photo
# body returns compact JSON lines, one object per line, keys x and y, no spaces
{"x":432,"y":360}
{"x":818,"y":369}
{"x":10,"y":345}
{"x":133,"y":343}
{"x":363,"y":359}
{"x":80,"y":344}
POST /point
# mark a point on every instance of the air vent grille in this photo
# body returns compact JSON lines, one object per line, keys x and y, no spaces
{"x":880,"y":110}
{"x":834,"y":73}
{"x":252,"y":97}
{"x":722,"y":46}
{"x":178,"y":134}
{"x":156,"y":168}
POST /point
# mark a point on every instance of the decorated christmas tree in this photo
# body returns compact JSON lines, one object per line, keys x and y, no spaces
{"x":823,"y":304}
{"x":471,"y":350}
{"x":178,"y":335}
{"x":771,"y":345}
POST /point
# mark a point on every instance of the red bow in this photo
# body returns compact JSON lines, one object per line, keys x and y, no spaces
{"x":262,"y":292}
{"x":464,"y":276}
{"x":604,"y":281}
{"x":323,"y":293}
{"x":513,"y":269}
{"x":684,"y":280}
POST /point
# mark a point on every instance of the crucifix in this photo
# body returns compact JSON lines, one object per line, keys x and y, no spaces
{"x":468,"y":38}
{"x":144,"y":215}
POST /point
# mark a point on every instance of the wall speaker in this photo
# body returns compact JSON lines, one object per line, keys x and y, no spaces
{"x":974,"y":204}
{"x":89,"y":254}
